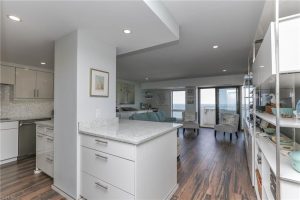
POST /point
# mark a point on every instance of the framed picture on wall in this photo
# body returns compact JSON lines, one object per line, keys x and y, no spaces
{"x":99,"y":83}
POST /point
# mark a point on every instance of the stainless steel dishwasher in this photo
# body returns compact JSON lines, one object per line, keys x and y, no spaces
{"x":27,"y":139}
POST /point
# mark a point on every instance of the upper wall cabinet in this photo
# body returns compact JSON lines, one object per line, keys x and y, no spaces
{"x":289,"y":51}
{"x":33,"y":84}
{"x":44,"y":85}
{"x":289,"y":45}
{"x":7,"y":75}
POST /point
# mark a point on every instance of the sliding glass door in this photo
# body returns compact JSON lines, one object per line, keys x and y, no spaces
{"x":227,"y":101}
{"x":207,"y":107}
{"x":212,"y":102}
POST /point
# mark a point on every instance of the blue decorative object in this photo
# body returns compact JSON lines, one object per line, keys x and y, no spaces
{"x":284,"y":112}
{"x":298,"y":107}
{"x":295,"y":158}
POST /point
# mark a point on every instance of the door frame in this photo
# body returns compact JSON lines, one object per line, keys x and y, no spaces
{"x":238,"y":98}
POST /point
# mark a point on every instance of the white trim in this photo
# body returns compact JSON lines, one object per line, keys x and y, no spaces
{"x":8,"y":160}
{"x":172,"y":192}
{"x":62,"y":193}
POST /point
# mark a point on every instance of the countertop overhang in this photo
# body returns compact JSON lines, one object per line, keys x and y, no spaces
{"x":130,"y":131}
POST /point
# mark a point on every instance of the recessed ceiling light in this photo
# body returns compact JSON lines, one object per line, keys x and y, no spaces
{"x":43,"y":63}
{"x":127,"y":31}
{"x":14,"y":18}
{"x":224,"y":70}
{"x":215,"y":46}
{"x":147,"y":78}
{"x":261,"y":66}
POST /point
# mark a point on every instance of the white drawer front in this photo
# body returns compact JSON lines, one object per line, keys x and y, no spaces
{"x":49,"y":146}
{"x":40,"y":129}
{"x":49,"y":131}
{"x":114,"y":170}
{"x":8,"y":125}
{"x":95,"y":189}
{"x":120,"y":149}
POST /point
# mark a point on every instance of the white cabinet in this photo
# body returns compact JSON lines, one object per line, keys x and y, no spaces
{"x":33,"y":84}
{"x":289,"y":51}
{"x":25,"y":83}
{"x":8,"y":141}
{"x":289,"y":45}
{"x":117,"y":170}
{"x":44,"y":85}
{"x":44,"y":149}
{"x":7,"y":75}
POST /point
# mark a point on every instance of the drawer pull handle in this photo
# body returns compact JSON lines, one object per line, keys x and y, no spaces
{"x":99,"y":156}
{"x":50,"y":139}
{"x":101,"y":141}
{"x":49,"y":159}
{"x":100,"y":185}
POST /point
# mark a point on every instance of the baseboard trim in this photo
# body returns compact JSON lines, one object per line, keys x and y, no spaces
{"x":62,"y":193}
{"x":8,"y":161}
{"x":172,"y":192}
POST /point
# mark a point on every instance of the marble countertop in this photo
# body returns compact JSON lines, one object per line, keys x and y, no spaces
{"x":129,"y":131}
{"x":12,"y":119}
{"x":48,"y":123}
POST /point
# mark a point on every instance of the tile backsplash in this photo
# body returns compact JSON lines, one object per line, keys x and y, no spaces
{"x":22,"y":109}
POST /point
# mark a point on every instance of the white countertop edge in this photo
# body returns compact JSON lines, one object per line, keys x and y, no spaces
{"x":129,"y":141}
{"x":48,"y":123}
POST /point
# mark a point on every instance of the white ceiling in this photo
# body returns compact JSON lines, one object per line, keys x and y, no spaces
{"x":229,"y":24}
{"x":32,"y":40}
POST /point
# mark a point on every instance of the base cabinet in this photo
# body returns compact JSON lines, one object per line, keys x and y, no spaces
{"x":128,"y":171}
{"x":8,"y":142}
{"x":44,"y":149}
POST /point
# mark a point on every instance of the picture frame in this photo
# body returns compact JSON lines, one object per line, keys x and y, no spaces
{"x":99,"y":83}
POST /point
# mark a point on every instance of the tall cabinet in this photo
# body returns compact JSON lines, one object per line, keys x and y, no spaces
{"x":275,"y":168}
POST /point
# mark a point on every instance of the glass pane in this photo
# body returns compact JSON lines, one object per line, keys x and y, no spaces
{"x":207,"y":107}
{"x":177,"y":114}
{"x":178,"y":100}
{"x":227,"y":101}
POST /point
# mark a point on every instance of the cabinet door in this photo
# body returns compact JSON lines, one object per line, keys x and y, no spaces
{"x":289,"y":45}
{"x":7,"y":75}
{"x":8,"y":144}
{"x":44,"y":85}
{"x":25,"y":83}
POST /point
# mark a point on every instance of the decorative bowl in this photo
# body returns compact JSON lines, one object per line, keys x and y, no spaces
{"x":270,"y":131}
{"x":284,"y":112}
{"x":295,"y":158}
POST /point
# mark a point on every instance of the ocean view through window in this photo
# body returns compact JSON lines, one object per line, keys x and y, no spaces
{"x":178,"y":104}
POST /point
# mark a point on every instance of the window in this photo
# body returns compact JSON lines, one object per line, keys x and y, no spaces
{"x":178,"y":104}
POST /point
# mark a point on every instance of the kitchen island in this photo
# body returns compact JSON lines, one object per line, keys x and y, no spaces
{"x":128,"y":159}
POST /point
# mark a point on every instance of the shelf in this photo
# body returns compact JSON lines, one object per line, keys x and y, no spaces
{"x":284,"y":122}
{"x":268,"y":148}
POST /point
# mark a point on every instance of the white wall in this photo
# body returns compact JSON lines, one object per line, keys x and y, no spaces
{"x":198,"y":82}
{"x":138,"y":95}
{"x":92,"y":53}
{"x":75,"y":54}
{"x":65,"y":115}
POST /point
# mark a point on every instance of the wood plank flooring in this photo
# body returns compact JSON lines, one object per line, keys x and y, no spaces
{"x":18,"y":182}
{"x":212,"y":168}
{"x":208,"y":168}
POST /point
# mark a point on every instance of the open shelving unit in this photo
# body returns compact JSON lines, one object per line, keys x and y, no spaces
{"x":280,"y":181}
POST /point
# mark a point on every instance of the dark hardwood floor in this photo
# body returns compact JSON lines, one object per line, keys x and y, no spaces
{"x":17,"y":181}
{"x":212,"y":168}
{"x":208,"y":168}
